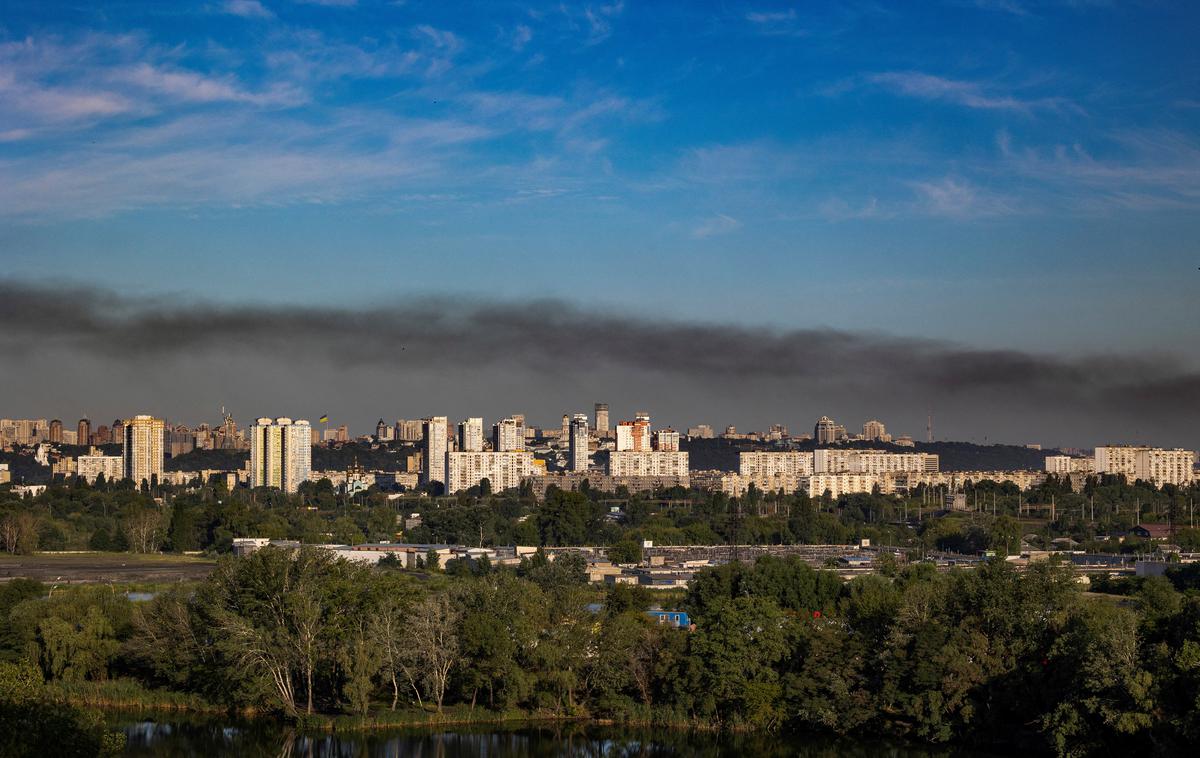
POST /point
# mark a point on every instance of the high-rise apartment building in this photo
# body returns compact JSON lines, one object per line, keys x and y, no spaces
{"x":564,"y":436}
{"x":825,"y":431}
{"x":875,"y":431}
{"x":579,"y":442}
{"x":143,"y":454}
{"x":410,"y":430}
{"x":508,"y":435}
{"x":634,"y":436}
{"x":280,"y":453}
{"x":701,"y":432}
{"x":601,"y":419}
{"x":470,"y":435}
{"x":666,"y":440}
{"x":83,"y":432}
{"x":434,"y":432}
{"x":55,"y":433}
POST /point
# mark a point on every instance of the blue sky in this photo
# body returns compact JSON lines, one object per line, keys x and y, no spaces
{"x":1007,"y":173}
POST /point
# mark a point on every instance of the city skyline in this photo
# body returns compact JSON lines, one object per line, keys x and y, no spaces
{"x":743,"y":213}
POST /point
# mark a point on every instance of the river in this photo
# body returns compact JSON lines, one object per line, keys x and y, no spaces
{"x":255,"y":739}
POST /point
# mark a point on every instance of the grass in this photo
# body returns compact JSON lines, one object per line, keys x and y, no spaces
{"x":128,"y":693}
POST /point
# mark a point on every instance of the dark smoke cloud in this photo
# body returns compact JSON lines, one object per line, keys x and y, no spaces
{"x":556,"y":339}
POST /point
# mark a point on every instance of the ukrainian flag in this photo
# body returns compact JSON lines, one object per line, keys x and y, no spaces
{"x":324,"y":419}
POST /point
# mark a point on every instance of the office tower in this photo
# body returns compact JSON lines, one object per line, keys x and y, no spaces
{"x":434,"y":432}
{"x":601,"y":419}
{"x":666,"y":441}
{"x":143,"y":440}
{"x":825,"y":431}
{"x":280,"y":453}
{"x":875,"y":431}
{"x":55,"y":434}
{"x":83,"y":432}
{"x":470,"y":435}
{"x":579,"y":442}
{"x":508,"y":435}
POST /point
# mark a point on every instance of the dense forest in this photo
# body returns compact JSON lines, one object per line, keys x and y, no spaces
{"x":985,"y":657}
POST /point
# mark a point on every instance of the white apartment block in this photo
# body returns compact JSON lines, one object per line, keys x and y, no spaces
{"x":875,"y":462}
{"x":434,"y":431}
{"x":89,"y":467}
{"x":504,"y":470}
{"x":579,"y":442}
{"x":280,"y":453}
{"x":836,"y":460}
{"x":666,"y":440}
{"x":470,"y":435}
{"x":508,"y":435}
{"x":840,"y":483}
{"x":763,"y":464}
{"x":143,"y":454}
{"x":1065,"y":465}
{"x":648,"y":463}
{"x":1155,"y":465}
{"x":634,"y":436}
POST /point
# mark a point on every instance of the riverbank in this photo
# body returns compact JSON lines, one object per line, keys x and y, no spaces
{"x":129,"y":695}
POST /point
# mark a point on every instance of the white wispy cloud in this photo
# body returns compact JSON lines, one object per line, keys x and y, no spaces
{"x":777,"y":23}
{"x":961,"y":92}
{"x":246,"y":9}
{"x":521,"y":36}
{"x":957,"y":198}
{"x":714,"y":226}
{"x":1140,"y":170}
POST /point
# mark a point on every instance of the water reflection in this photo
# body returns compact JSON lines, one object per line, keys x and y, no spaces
{"x":264,"y":739}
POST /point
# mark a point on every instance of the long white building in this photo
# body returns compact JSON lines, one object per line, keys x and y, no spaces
{"x":90,"y":467}
{"x":647,"y":463}
{"x":503,"y":470}
{"x":837,"y":460}
{"x":1151,"y":464}
{"x":280,"y":453}
{"x":1065,"y":465}
{"x":761,"y":463}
